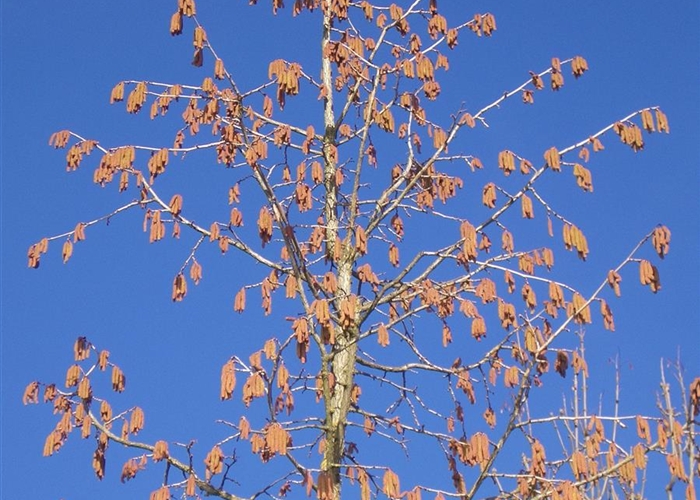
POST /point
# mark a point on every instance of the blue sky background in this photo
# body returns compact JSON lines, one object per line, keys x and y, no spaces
{"x":59,"y":63}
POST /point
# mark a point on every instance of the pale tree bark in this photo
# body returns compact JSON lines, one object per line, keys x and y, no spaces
{"x":339,"y":367}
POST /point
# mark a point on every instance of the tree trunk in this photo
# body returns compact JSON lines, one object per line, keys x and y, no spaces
{"x":342,"y":357}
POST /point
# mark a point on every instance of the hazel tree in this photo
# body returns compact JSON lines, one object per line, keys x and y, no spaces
{"x":396,"y":340}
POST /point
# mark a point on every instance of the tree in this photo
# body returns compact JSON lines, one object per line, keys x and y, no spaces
{"x":345,"y":186}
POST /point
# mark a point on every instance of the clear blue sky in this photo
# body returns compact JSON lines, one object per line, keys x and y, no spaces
{"x":59,"y":62}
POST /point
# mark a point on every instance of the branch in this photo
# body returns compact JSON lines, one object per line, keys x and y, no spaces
{"x":203,"y":485}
